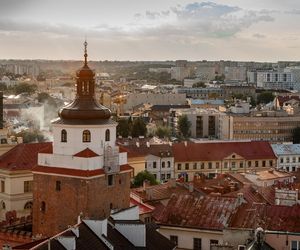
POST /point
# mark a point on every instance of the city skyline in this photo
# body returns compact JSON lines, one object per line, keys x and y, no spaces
{"x":193,"y":30}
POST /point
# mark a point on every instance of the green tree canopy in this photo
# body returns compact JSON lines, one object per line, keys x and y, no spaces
{"x":296,"y":135}
{"x":23,"y":88}
{"x":31,"y":136}
{"x":138,"y":128}
{"x":163,"y":132}
{"x":184,"y":126}
{"x":265,"y":97}
{"x":144,"y":175}
{"x":123,"y":128}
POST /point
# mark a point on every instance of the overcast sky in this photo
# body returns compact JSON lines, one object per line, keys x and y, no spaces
{"x":251,"y":30}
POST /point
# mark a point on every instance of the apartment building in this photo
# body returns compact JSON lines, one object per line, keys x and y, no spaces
{"x":204,"y":122}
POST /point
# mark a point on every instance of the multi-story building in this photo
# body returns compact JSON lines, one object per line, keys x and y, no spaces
{"x":230,"y":90}
{"x":288,"y":156}
{"x":205,"y":123}
{"x":275,"y":79}
{"x":270,"y":126}
{"x":236,"y":74}
{"x":203,"y":93}
{"x":134,"y":99}
{"x":193,"y":159}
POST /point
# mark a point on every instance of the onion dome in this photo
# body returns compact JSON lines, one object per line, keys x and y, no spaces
{"x":85,"y":108}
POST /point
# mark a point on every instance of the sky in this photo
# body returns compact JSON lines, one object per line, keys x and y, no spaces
{"x":246,"y":30}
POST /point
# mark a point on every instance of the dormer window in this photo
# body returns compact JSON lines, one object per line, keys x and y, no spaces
{"x":86,"y":136}
{"x":107,"y":135}
{"x":63,"y":135}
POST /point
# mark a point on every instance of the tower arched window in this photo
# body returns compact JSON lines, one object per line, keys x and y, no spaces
{"x":107,"y":135}
{"x":86,"y":136}
{"x":43,"y":206}
{"x":28,"y":205}
{"x":63,"y":135}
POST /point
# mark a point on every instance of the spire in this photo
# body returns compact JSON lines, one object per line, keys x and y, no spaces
{"x":85,"y":53}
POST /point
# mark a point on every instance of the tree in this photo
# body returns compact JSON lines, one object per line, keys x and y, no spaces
{"x":142,"y":176}
{"x":163,"y":132}
{"x":265,"y":97}
{"x":184,"y":126}
{"x":138,"y":128}
{"x":123,"y":128}
{"x":199,"y":85}
{"x":296,"y":135}
{"x":24,"y":88}
{"x":31,"y":136}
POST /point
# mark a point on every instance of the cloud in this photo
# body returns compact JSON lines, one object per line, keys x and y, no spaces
{"x":293,"y":12}
{"x":259,"y":36}
{"x":191,"y":22}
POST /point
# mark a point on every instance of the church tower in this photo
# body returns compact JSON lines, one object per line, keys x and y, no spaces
{"x":84,"y":174}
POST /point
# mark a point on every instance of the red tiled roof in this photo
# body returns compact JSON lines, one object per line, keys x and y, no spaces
{"x":161,"y":150}
{"x":205,"y":212}
{"x":269,"y":217}
{"x":143,"y":207}
{"x":86,"y":153}
{"x":76,"y":172}
{"x":23,"y":156}
{"x":218,"y":151}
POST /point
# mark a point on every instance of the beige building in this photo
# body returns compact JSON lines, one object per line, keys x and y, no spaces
{"x":194,"y":159}
{"x":269,"y":126}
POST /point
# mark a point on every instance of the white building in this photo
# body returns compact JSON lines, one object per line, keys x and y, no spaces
{"x":288,"y":156}
{"x":205,"y":123}
{"x":275,"y":79}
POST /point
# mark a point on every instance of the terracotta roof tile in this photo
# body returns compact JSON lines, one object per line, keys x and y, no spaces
{"x":23,"y":156}
{"x":269,"y":217}
{"x":86,"y":153}
{"x":218,"y":151}
{"x":205,"y":212}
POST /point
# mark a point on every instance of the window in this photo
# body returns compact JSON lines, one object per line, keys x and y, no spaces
{"x":110,"y":180}
{"x":163,"y":176}
{"x":179,"y":166}
{"x":58,"y":185}
{"x":174,"y":239}
{"x":154,"y":176}
{"x":217,"y":165}
{"x":295,"y":245}
{"x":154,"y":164}
{"x":163,"y":164}
{"x":27,"y":186}
{"x":86,"y":136}
{"x":233,"y":164}
{"x":169,"y":164}
{"x":287,"y":160}
{"x":294,"y":159}
{"x":28,"y":205}
{"x":271,"y":163}
{"x":225,"y":164}
{"x":281,"y":160}
{"x":63,"y":135}
{"x":256,"y":164}
{"x":2,"y":186}
{"x":197,"y":244}
{"x":209,"y":165}
{"x":43,"y":207}
{"x":241,"y":164}
{"x":195,"y":166}
{"x":187,"y":166}
{"x":107,"y":135}
{"x":168,"y":176}
{"x":202,"y":165}
{"x":249,"y":164}
{"x":263,"y":163}
{"x":213,"y":242}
